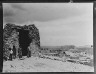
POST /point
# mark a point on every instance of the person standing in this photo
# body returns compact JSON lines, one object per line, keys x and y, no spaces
{"x":11,"y":53}
{"x":14,"y":52}
{"x":29,"y":52}
{"x":20,"y":53}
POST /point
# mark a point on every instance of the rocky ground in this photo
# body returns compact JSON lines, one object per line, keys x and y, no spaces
{"x":36,"y":64}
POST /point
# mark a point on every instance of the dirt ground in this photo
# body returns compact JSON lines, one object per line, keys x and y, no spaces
{"x":36,"y":64}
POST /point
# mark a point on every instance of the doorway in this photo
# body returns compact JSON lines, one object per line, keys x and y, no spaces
{"x":24,"y":41}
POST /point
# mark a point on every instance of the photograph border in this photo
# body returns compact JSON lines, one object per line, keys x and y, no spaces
{"x":46,"y":1}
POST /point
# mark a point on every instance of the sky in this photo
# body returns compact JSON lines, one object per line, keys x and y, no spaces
{"x":58,"y":23}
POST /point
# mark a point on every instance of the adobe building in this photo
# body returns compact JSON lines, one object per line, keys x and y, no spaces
{"x":20,"y":37}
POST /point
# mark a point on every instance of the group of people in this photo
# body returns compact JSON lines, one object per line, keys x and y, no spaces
{"x":12,"y":53}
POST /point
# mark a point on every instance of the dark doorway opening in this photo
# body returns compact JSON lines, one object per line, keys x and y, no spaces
{"x":24,"y":41}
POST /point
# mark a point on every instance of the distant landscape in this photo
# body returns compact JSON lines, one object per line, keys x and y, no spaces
{"x":71,"y":53}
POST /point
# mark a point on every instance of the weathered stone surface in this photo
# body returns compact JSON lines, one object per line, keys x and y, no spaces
{"x":11,"y":38}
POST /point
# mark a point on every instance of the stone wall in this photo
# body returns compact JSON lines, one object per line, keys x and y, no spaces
{"x":10,"y":38}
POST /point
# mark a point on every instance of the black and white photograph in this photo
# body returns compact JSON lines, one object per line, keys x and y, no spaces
{"x":48,"y":37}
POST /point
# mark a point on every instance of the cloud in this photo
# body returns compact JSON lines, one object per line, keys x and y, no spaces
{"x":8,"y":11}
{"x":11,"y":9}
{"x":24,"y":12}
{"x":17,"y":6}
